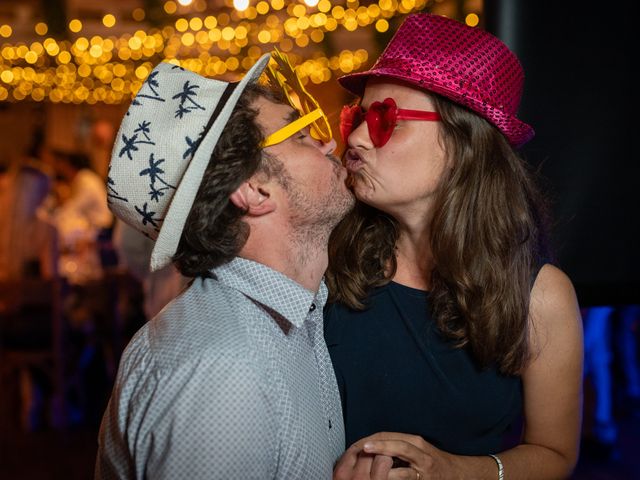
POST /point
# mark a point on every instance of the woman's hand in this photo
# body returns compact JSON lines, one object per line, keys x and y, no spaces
{"x":424,"y":461}
{"x":421,"y":460}
{"x":358,"y":465}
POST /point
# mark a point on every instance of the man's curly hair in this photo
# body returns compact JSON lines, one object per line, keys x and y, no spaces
{"x":214,"y":232}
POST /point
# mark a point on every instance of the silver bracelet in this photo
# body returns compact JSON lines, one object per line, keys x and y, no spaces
{"x":500,"y":466}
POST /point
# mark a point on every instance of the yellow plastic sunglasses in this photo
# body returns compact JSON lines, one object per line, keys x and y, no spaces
{"x":292,"y":128}
{"x":311,"y":113}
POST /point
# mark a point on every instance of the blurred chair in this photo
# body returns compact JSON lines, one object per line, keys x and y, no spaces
{"x":31,"y":344}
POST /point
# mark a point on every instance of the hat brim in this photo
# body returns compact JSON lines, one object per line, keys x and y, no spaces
{"x":171,"y":231}
{"x":516,"y":131}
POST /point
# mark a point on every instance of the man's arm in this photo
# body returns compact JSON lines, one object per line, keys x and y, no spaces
{"x":219,"y":423}
{"x":208,"y":418}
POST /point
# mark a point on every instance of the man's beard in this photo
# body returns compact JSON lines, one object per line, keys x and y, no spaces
{"x":314,"y":219}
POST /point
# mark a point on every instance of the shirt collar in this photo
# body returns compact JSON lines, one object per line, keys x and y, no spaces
{"x":272,"y":289}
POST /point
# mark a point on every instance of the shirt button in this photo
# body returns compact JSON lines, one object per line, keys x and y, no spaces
{"x":312,"y":307}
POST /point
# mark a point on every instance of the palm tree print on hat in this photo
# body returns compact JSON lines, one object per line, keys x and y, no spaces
{"x":147,"y":217}
{"x":144,"y":129}
{"x":186,"y":95}
{"x":154,"y":172}
{"x":152,"y":83}
{"x":111,"y":191}
{"x":192,"y":145}
{"x":130,"y":144}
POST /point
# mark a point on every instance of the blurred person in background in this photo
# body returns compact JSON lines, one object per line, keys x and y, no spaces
{"x":134,"y":254}
{"x":81,"y":215}
{"x":83,"y":220}
{"x":28,"y":253}
{"x":100,"y":146}
{"x":28,"y":240}
{"x":610,"y":341}
{"x":628,"y":341}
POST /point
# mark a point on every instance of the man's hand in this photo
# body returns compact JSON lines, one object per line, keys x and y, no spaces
{"x":358,"y":465}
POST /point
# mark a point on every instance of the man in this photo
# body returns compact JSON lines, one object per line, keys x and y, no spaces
{"x":81,"y":218}
{"x":232,"y":379}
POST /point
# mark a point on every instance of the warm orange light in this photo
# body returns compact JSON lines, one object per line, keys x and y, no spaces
{"x":41,"y":28}
{"x":138,"y":14}
{"x":210,"y":22}
{"x":108,"y":20}
{"x":31,"y":57}
{"x":6,"y":31}
{"x":6,"y":76}
{"x":382,"y":25}
{"x":64,"y":57}
{"x":472,"y":20}
{"x":195,"y":23}
{"x":75,"y":25}
{"x":182,"y":25}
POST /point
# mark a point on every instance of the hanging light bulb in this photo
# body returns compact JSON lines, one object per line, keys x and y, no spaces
{"x":185,"y":3}
{"x":311,"y":3}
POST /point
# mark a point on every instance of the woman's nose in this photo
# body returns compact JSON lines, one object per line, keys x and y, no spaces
{"x":359,"y":137}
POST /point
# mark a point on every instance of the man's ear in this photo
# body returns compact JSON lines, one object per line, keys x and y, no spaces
{"x":253,"y":198}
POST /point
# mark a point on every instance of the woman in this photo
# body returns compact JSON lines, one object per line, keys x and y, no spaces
{"x":449,"y":321}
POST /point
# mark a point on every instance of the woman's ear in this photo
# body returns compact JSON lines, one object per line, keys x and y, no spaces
{"x":253,"y":198}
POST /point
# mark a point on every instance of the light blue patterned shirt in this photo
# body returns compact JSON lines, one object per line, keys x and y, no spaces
{"x":232,"y":380}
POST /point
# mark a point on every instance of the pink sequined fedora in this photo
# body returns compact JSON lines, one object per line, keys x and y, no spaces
{"x":464,"y":64}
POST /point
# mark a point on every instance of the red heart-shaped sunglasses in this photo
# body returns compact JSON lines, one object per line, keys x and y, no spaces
{"x":381,"y":119}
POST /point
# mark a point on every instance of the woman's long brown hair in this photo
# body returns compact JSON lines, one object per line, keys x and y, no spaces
{"x":488,"y":239}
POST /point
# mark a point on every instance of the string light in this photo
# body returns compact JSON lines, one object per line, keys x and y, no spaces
{"x":472,"y":20}
{"x":111,"y":69}
{"x":108,"y":20}
{"x":75,"y":25}
{"x":41,"y":28}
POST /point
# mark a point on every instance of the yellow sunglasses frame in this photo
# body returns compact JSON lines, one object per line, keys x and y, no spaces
{"x":292,"y":128}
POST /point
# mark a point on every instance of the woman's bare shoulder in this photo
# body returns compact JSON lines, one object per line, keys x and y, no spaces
{"x":553,"y":308}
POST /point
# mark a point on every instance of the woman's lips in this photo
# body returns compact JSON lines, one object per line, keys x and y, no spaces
{"x":353,"y":161}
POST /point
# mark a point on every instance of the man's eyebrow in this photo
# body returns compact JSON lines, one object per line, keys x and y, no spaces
{"x":293,"y":116}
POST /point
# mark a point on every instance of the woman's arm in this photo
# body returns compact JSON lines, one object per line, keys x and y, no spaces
{"x":552,"y":383}
{"x":552,"y":402}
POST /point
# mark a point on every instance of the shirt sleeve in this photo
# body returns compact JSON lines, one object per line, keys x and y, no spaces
{"x":207,"y":418}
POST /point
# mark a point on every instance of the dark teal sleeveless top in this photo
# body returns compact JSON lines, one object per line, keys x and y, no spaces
{"x":397,"y":374}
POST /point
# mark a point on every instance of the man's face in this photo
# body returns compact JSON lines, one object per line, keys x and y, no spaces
{"x":312,"y":178}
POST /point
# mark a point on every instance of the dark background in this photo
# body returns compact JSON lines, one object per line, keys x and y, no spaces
{"x":579,"y":95}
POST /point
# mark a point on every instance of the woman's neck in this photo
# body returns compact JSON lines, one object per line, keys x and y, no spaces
{"x":414,"y":257}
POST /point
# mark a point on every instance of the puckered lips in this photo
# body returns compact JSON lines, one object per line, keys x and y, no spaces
{"x":353,"y":160}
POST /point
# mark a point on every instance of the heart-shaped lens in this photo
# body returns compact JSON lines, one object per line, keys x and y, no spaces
{"x":350,"y":119}
{"x":381,"y":119}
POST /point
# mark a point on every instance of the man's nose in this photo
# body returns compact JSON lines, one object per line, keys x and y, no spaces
{"x":328,"y":147}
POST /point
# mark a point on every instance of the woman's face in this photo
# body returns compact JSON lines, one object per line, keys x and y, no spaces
{"x":402,"y":176}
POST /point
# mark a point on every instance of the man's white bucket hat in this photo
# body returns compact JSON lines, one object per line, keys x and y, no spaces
{"x":163,"y":147}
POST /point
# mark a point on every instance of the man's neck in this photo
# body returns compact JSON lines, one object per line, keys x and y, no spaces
{"x":303,"y":258}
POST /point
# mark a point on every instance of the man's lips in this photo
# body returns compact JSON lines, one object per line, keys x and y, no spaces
{"x":353,"y":160}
